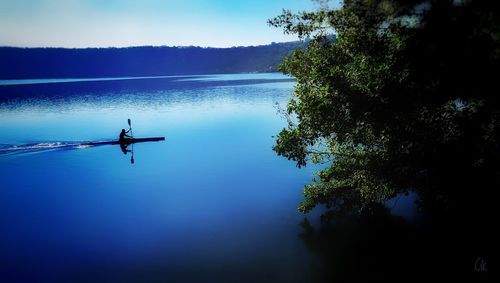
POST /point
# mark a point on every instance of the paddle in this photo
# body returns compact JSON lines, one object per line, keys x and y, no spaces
{"x":132,"y":135}
{"x":130,"y":128}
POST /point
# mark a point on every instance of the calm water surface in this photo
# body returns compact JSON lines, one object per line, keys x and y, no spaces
{"x":211,"y":203}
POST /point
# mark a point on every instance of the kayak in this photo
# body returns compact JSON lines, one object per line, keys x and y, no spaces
{"x":126,"y":141}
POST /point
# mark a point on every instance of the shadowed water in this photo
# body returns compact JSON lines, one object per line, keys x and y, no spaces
{"x":212,"y":203}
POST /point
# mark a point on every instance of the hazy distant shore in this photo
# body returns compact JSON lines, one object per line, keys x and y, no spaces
{"x":42,"y":63}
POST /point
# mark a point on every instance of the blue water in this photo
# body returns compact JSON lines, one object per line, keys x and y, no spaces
{"x":212,"y":203}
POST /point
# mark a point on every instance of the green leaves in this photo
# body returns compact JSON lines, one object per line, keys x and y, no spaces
{"x":379,"y":100}
{"x":289,"y":143}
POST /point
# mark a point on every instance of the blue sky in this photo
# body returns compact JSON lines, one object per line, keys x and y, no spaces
{"x":104,"y":23}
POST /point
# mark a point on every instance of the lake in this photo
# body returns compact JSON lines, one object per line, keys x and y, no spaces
{"x":212,"y":202}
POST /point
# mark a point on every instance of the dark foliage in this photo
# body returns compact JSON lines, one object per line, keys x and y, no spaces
{"x":405,"y":98}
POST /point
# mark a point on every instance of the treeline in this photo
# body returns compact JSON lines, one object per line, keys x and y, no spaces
{"x":26,"y":63}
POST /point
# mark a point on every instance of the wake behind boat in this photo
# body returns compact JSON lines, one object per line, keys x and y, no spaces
{"x":16,"y":149}
{"x":124,"y":142}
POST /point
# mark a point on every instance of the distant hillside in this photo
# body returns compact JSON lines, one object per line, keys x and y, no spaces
{"x":25,"y":63}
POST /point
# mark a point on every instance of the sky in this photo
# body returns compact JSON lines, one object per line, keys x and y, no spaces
{"x":119,"y":23}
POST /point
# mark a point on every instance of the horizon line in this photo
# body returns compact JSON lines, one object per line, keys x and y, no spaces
{"x":138,"y":46}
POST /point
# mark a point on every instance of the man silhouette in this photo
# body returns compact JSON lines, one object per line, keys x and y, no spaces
{"x":123,"y":144}
{"x":123,"y":135}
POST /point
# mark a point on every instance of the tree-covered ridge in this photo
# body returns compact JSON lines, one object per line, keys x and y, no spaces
{"x":406,"y":98}
{"x":22,"y":63}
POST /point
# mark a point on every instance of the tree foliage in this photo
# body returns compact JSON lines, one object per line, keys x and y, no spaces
{"x":394,"y":96}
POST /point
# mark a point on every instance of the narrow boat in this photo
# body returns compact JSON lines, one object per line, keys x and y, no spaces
{"x":126,"y":141}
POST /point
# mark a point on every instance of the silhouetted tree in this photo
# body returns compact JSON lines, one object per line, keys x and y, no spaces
{"x":404,"y":97}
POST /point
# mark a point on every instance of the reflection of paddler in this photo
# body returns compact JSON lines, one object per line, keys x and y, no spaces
{"x":123,"y":147}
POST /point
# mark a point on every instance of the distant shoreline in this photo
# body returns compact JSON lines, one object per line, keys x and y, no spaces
{"x":147,"y":61}
{"x":144,"y":46}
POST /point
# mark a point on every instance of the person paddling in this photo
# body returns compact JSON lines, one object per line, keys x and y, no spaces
{"x":121,"y":140}
{"x":123,"y":135}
